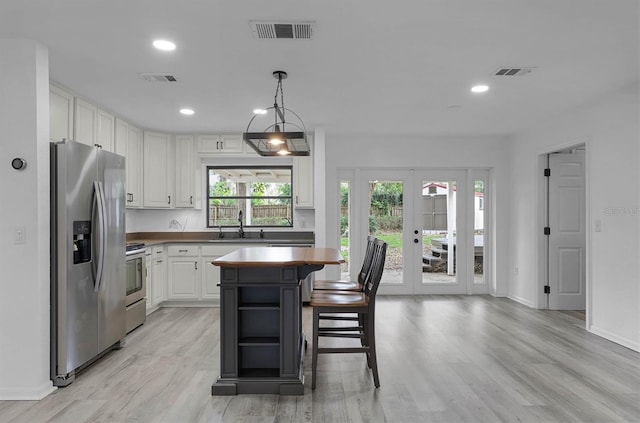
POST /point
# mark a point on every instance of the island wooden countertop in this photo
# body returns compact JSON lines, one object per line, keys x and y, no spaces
{"x":279,"y":257}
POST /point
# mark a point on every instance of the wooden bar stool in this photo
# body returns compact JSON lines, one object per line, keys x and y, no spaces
{"x":344,"y":285}
{"x":341,"y":305}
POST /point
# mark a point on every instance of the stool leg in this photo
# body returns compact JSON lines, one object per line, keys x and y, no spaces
{"x":371,"y":336}
{"x":364,"y":341}
{"x":314,"y":349}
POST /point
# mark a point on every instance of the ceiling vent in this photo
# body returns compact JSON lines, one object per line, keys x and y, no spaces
{"x":282,"y":30}
{"x":157,"y":77}
{"x":513,"y":71}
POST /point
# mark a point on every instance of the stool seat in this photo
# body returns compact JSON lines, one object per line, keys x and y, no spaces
{"x":331,"y":285}
{"x":338,"y":299}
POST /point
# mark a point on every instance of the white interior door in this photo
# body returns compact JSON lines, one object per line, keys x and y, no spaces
{"x":567,"y":240}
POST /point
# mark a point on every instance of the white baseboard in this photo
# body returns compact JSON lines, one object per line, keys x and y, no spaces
{"x":634,"y":345}
{"x":521,"y":301}
{"x":26,"y":394}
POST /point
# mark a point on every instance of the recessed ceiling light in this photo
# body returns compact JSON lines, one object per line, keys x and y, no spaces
{"x":480,"y":88}
{"x":187,"y":111}
{"x":259,"y":111}
{"x":164,"y":45}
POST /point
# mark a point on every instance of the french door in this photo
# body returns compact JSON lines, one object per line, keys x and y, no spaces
{"x":430,"y":221}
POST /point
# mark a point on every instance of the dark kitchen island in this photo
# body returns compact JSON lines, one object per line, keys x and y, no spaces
{"x":261,"y":340}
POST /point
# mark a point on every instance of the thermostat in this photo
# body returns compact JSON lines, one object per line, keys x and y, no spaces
{"x":18,"y":163}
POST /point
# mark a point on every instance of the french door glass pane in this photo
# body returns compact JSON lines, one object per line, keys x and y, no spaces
{"x":345,"y":208}
{"x":478,"y":232}
{"x":386,"y":223}
{"x":438,"y":232}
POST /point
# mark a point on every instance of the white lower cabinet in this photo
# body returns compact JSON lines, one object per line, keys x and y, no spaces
{"x":158,"y":266}
{"x":156,"y":277}
{"x":211,"y":273}
{"x":184,"y":272}
{"x":191,"y":274}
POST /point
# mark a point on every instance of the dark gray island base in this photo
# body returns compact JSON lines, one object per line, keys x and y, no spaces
{"x":261,"y":340}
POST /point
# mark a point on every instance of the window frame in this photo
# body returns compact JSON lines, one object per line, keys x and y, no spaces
{"x":248,"y":197}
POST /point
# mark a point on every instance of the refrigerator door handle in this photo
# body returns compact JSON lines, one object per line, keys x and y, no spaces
{"x":99,"y":204}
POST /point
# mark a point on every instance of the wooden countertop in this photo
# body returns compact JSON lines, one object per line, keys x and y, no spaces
{"x":279,"y":257}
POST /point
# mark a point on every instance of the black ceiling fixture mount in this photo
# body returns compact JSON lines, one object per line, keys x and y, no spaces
{"x":280,"y":137}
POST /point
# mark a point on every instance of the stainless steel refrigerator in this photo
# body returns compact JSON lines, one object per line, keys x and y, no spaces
{"x":87,"y":256}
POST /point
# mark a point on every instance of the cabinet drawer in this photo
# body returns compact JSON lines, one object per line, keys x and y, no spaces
{"x":157,"y":252}
{"x":183,"y":250}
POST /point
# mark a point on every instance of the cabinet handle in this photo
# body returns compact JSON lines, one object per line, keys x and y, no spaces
{"x":182,"y":251}
{"x":169,"y":201}
{"x":158,"y":252}
{"x":191,"y":199}
{"x":158,"y":261}
{"x":196,"y":264}
{"x":296,"y":199}
{"x":218,"y":145}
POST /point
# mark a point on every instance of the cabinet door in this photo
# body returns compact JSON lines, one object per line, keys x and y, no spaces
{"x":60,"y":114}
{"x":208,"y":143}
{"x":210,"y":278}
{"x":185,"y":165}
{"x":134,"y":167}
{"x":303,"y":182}
{"x":159,"y":276}
{"x":231,"y":143}
{"x":86,"y":122}
{"x":157,"y":181}
{"x":184,"y":278}
{"x":106,"y":131}
{"x":149,"y":279}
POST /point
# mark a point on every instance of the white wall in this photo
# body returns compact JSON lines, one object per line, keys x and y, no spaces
{"x":24,"y":287}
{"x":344,"y":152}
{"x":610,"y":130}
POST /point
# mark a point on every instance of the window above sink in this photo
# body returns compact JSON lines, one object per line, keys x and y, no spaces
{"x":261,"y":193}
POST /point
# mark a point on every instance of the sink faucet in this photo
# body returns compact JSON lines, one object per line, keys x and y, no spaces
{"x":241,"y":231}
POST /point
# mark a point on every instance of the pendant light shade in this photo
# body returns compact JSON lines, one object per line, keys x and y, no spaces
{"x":278,"y":137}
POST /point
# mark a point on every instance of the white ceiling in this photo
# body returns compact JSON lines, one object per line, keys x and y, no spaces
{"x":372,"y":67}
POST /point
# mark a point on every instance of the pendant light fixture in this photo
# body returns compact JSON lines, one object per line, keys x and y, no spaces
{"x":279,"y":136}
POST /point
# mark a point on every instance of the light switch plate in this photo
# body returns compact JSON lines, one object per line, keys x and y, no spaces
{"x":20,"y":235}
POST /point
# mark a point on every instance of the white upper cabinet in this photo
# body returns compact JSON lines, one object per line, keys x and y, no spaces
{"x":303,"y":182}
{"x":158,"y":168}
{"x":60,"y":114}
{"x":105,"y":136}
{"x":128,"y":143}
{"x":86,"y":122}
{"x":220,"y":144}
{"x":185,"y":168}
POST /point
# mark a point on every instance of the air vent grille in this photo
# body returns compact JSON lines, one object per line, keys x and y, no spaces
{"x":282,"y":30}
{"x":513,"y":71}
{"x":158,"y":77}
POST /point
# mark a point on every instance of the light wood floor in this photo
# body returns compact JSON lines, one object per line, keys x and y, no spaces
{"x":442,"y":358}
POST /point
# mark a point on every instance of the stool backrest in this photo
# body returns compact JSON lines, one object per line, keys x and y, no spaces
{"x":377,"y":267}
{"x":366,"y":263}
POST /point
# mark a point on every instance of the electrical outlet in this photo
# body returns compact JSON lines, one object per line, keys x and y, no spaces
{"x":20,"y":235}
